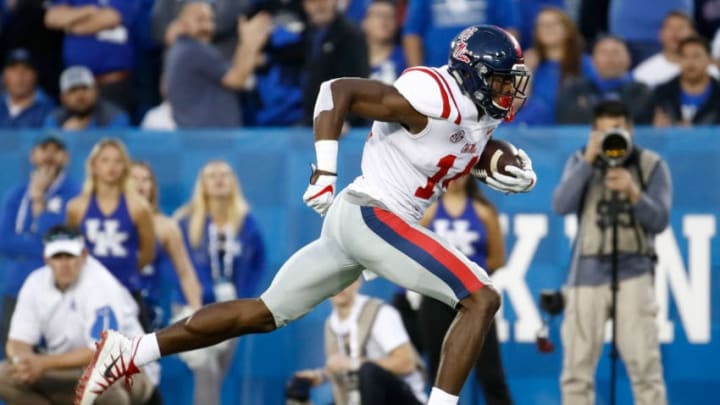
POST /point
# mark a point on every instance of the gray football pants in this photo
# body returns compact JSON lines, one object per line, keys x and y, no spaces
{"x":356,"y":237}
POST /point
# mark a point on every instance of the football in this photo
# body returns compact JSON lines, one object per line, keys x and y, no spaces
{"x":495,"y":157}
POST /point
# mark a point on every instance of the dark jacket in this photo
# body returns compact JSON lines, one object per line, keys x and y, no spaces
{"x":667,"y":97}
{"x":579,"y":96}
{"x":343,"y":52}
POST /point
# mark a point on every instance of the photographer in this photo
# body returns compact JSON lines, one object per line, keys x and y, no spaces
{"x":612,"y":175}
{"x":369,"y":357}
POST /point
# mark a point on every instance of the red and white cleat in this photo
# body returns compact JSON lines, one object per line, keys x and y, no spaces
{"x":113,"y":360}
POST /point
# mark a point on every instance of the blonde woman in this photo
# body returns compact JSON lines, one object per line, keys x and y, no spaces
{"x":116,"y":223}
{"x":170,"y":252}
{"x":228,"y":253}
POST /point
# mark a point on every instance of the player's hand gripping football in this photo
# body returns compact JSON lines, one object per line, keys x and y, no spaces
{"x":523,"y":178}
{"x":321,"y":190}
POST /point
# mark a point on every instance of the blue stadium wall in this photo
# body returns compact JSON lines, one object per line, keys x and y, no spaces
{"x":273,"y":168}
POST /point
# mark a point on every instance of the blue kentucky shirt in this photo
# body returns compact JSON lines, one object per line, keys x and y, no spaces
{"x":114,"y":241}
{"x":467,"y":232}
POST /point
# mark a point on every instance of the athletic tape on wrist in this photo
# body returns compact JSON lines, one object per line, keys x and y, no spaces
{"x":326,"y":152}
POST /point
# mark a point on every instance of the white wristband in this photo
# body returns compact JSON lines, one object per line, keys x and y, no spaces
{"x":326,"y":151}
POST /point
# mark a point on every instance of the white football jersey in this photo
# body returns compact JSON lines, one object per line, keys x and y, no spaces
{"x":407,"y":172}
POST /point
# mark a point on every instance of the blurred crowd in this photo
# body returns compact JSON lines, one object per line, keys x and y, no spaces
{"x":166,"y":64}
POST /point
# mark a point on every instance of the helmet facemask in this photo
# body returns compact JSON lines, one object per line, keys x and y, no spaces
{"x":501,"y":94}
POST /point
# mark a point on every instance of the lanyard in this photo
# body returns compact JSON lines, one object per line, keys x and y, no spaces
{"x":25,"y":204}
{"x":222,"y":249}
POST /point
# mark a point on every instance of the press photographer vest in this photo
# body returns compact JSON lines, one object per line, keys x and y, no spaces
{"x":632,"y":237}
{"x":365,"y":321}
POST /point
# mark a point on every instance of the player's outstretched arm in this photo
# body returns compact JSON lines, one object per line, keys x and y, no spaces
{"x":367,"y":98}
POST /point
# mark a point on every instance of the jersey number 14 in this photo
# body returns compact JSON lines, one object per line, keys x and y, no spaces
{"x":444,"y":165}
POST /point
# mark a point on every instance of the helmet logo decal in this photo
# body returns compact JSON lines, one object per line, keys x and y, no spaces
{"x":461,"y":45}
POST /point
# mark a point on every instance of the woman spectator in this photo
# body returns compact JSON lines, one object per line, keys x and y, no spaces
{"x":170,"y":252}
{"x":470,"y":222}
{"x":387,"y":58}
{"x":556,"y":56}
{"x":116,"y":223}
{"x":228,"y":253}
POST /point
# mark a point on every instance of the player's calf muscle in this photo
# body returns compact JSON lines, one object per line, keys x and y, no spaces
{"x":232,"y":318}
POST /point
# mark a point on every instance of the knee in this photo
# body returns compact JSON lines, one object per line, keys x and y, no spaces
{"x":368,"y":370}
{"x":262,"y":317}
{"x":369,"y":373}
{"x":485,"y":301}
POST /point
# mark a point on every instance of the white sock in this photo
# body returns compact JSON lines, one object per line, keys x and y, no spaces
{"x":147,"y":350}
{"x":440,"y":397}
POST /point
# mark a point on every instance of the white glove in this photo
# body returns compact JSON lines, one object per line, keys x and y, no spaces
{"x":522,"y":179}
{"x":320,"y":192}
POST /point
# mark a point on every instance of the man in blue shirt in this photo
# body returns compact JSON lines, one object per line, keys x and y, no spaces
{"x":81,"y":106}
{"x":97,"y":35}
{"x":430,"y":25}
{"x":25,"y":105}
{"x":28,"y":211}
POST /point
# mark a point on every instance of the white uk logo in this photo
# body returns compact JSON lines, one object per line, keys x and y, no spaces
{"x":107,"y":237}
{"x":458,"y":233}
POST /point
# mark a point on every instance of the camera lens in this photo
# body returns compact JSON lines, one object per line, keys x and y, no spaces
{"x":615,"y":147}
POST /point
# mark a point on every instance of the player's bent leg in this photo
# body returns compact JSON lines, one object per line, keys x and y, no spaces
{"x":420,"y":260}
{"x":464,"y":340}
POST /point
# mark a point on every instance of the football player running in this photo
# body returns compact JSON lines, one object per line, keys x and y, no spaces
{"x":430,"y":128}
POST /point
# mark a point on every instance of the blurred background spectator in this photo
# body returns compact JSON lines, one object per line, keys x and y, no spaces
{"x":277,"y":95}
{"x":61,"y":312}
{"x":81,"y":105}
{"x":664,"y":65}
{"x":610,"y":78}
{"x":28,"y":211}
{"x":528,"y":11}
{"x":225,"y":36}
{"x":556,"y":56}
{"x":430,"y":25}
{"x":201,"y":84}
{"x":693,"y":97}
{"x":26,"y":105}
{"x":387,"y":58}
{"x":368,"y":354}
{"x":227,"y":250}
{"x":335,"y":48}
{"x":171,"y":258}
{"x":638,"y":24}
{"x":23,"y":27}
{"x":115,"y":221}
{"x":98,"y":35}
